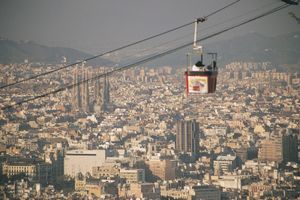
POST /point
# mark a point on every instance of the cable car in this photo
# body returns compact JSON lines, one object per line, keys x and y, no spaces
{"x":200,"y":78}
{"x":291,"y":2}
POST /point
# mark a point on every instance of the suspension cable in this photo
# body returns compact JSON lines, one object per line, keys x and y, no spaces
{"x":114,"y":50}
{"x":122,"y":68}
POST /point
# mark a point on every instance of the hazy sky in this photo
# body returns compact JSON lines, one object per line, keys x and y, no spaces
{"x":96,"y":25}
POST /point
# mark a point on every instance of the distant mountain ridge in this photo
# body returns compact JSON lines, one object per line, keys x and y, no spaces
{"x":282,"y":49}
{"x":17,"y":52}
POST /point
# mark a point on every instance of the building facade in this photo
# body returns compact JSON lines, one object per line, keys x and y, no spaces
{"x":205,"y":192}
{"x":271,"y":150}
{"x":105,"y":171}
{"x":82,"y":161}
{"x":290,"y":146}
{"x":133,"y":175}
{"x":11,"y":169}
{"x":187,"y":137}
{"x":164,"y":169}
{"x":224,"y":164}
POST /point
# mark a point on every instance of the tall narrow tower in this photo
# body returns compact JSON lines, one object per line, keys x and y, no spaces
{"x":290,"y":146}
{"x":76,"y":96}
{"x":105,"y":94}
{"x":99,"y":102}
{"x":187,"y":137}
{"x":73,"y":94}
{"x":83,"y":88}
{"x":107,"y":90}
{"x":85,"y":96}
{"x":96,"y":90}
{"x":103,"y":103}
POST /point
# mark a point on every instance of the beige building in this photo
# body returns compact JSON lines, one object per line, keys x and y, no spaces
{"x":164,"y":169}
{"x":271,"y":150}
{"x":204,"y":192}
{"x":224,"y":164}
{"x":91,"y":186}
{"x":256,"y":190}
{"x":82,"y":161}
{"x":174,"y":193}
{"x":242,"y":153}
{"x":133,"y":175}
{"x":2,"y":149}
{"x":80,"y":182}
{"x":144,"y":191}
{"x":10,"y":169}
{"x":95,"y":189}
{"x":105,"y":171}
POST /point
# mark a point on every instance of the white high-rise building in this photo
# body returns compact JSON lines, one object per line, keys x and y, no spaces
{"x":82,"y":161}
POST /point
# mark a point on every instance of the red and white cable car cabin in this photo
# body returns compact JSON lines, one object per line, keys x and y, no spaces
{"x":202,"y":79}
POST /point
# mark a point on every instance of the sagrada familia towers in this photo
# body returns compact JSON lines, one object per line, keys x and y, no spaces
{"x":81,"y":101}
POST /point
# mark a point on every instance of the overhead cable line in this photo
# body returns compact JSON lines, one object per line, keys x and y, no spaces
{"x":164,"y":44}
{"x":122,"y":68}
{"x":117,"y":49}
{"x":240,"y":16}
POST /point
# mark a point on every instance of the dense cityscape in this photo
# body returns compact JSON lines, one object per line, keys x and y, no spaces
{"x":138,"y":135}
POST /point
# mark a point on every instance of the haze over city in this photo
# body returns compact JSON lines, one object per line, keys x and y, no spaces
{"x":165,"y":117}
{"x":94,"y":26}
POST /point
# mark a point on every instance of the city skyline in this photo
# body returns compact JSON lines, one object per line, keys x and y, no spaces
{"x":218,"y":122}
{"x":253,"y":105}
